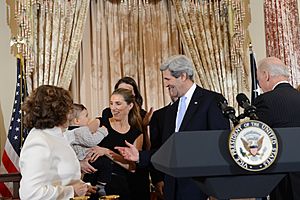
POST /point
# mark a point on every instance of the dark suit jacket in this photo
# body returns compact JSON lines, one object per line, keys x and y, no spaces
{"x":202,"y":113}
{"x":281,"y":108}
{"x":156,"y":130}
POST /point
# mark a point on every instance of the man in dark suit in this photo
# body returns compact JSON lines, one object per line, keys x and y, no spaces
{"x":156,"y":131}
{"x":279,"y":106}
{"x":201,"y":113}
{"x":196,"y":109}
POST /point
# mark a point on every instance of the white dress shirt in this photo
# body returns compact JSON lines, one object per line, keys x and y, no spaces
{"x":48,"y":166}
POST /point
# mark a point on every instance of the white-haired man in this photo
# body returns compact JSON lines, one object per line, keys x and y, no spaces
{"x":279,"y":106}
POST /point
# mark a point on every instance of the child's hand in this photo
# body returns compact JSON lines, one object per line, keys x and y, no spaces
{"x":94,"y":125}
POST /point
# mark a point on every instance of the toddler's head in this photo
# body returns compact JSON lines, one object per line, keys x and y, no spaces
{"x":80,"y":115}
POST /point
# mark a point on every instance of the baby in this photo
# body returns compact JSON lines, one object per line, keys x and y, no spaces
{"x":83,"y":134}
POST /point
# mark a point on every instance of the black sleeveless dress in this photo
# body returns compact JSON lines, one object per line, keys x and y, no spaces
{"x":124,"y":183}
{"x":140,"y":179}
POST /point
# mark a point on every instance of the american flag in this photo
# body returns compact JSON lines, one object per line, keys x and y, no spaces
{"x":16,"y":133}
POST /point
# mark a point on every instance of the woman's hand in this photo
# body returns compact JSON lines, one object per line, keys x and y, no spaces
{"x":148,"y":117}
{"x":85,"y":166}
{"x":146,"y":139}
{"x":91,"y":189}
{"x":129,"y":165}
{"x":80,"y":189}
{"x":96,"y":152}
{"x":116,"y":157}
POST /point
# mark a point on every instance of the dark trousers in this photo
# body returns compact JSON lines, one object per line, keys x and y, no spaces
{"x":119,"y":186}
{"x":182,"y":189}
{"x":139,"y":184}
{"x":288,"y":188}
{"x":103,"y":173}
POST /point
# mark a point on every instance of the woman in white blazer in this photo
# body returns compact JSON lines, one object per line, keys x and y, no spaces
{"x":49,"y":166}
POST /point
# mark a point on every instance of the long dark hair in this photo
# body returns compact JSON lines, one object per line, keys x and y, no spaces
{"x":134,"y":117}
{"x":130,"y":81}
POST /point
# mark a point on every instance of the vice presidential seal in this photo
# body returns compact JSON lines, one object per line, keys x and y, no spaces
{"x":253,"y":145}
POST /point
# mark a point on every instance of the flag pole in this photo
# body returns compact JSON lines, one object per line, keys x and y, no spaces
{"x":254,"y":82}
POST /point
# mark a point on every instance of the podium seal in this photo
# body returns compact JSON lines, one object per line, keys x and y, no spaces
{"x":253,"y":145}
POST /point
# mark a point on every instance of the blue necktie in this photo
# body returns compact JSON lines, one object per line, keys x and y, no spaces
{"x":181,"y":111}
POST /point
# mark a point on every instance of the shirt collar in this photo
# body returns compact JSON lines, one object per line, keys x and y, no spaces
{"x":278,"y":84}
{"x":190,"y":93}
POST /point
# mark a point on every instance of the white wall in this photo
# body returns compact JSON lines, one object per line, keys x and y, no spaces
{"x":298,"y":7}
{"x":257,"y":29}
{"x":7,"y":75}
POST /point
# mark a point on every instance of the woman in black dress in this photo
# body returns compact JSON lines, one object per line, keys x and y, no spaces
{"x":125,"y":124}
{"x":141,"y":177}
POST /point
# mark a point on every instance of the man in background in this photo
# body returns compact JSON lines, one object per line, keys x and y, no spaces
{"x":279,"y":106}
{"x":156,"y":131}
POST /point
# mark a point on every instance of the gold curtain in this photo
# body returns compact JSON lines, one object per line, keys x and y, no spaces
{"x":48,"y":35}
{"x":213,"y":33}
{"x":125,"y":38}
{"x":283,"y":34}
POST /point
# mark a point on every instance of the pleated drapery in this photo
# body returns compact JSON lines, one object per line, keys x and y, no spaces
{"x":283,"y":34}
{"x":49,"y":34}
{"x":125,"y":38}
{"x":132,"y":38}
{"x":214,"y":34}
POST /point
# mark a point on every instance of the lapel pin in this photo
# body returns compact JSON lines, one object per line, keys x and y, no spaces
{"x":195,"y":102}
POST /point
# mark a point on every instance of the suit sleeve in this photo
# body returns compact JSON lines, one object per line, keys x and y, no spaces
{"x":154,"y":132}
{"x":156,"y":142}
{"x":262,"y":110}
{"x":144,"y":159}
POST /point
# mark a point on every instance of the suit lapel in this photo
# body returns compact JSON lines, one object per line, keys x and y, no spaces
{"x":192,"y":108}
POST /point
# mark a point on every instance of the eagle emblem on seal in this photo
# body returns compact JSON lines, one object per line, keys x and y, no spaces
{"x":253,"y":145}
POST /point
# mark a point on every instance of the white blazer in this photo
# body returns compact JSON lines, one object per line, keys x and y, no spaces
{"x":48,"y":166}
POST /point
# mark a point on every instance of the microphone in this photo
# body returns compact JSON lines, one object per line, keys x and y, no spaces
{"x":228,"y":111}
{"x":249,"y":110}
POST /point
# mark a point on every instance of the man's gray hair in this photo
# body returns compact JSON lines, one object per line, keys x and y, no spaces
{"x":274,"y":66}
{"x":178,"y":65}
